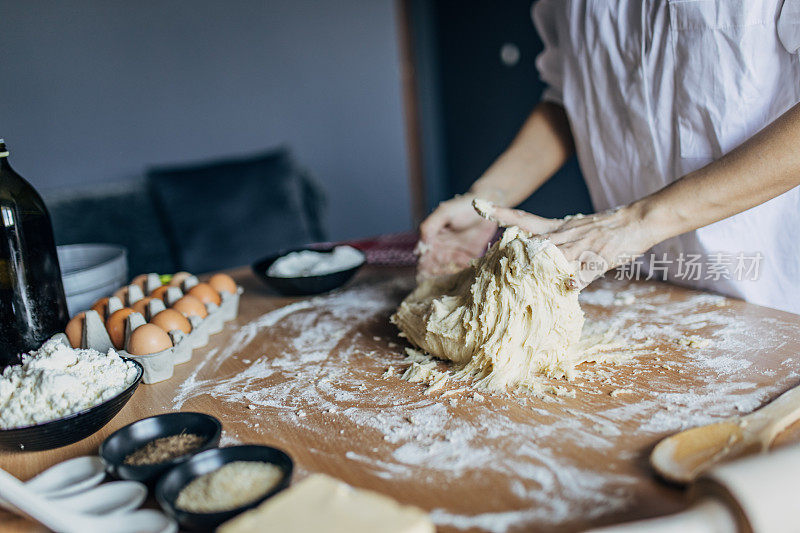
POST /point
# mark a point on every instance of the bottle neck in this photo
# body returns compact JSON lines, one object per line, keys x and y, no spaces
{"x":4,"y":156}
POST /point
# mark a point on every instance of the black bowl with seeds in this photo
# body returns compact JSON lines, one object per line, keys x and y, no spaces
{"x":147,"y":448}
{"x":169,"y":489}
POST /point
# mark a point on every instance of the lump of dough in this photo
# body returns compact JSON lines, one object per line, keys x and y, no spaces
{"x":322,"y":504}
{"x":511,"y":316}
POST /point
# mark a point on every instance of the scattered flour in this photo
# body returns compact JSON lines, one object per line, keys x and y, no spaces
{"x":226,"y":439}
{"x":694,"y":341}
{"x":618,"y":392}
{"x":548,"y":458}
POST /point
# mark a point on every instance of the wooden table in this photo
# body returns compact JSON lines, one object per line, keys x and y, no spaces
{"x":319,"y":378}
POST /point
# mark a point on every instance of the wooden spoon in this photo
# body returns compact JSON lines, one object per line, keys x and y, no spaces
{"x":686,"y":455}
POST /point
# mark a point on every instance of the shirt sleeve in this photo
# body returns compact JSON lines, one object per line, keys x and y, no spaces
{"x":545,"y":14}
{"x":789,"y":25}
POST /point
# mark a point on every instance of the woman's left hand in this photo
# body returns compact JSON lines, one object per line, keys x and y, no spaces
{"x":598,"y":242}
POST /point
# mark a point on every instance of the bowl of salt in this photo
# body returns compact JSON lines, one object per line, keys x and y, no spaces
{"x":309,"y":270}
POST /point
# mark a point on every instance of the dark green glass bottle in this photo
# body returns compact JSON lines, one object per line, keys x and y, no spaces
{"x":32,"y":302}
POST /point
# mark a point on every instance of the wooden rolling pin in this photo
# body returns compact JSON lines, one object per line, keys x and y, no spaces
{"x":684,"y":456}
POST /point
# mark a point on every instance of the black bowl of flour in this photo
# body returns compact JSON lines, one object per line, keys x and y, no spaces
{"x":71,"y":428}
{"x":303,"y":285}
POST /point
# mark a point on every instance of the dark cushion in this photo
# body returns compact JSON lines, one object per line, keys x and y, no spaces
{"x":119,"y":213}
{"x":229,"y":213}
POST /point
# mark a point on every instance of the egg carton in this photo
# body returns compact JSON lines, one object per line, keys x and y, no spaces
{"x":161,"y":365}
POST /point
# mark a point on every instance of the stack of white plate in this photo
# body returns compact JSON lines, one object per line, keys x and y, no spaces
{"x":91,"y":271}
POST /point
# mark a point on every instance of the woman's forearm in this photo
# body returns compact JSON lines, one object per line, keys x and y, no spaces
{"x":765,"y":166}
{"x":541,"y":147}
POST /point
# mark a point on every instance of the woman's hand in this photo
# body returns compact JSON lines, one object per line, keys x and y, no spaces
{"x":598,"y":242}
{"x":452,"y":236}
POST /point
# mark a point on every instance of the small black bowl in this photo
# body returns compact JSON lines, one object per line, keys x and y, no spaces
{"x":171,"y":484}
{"x":71,"y":428}
{"x":305,"y":285}
{"x":130,"y":438}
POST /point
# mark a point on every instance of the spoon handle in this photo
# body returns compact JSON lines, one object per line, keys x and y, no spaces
{"x":109,"y":498}
{"x":14,"y":491}
{"x":776,"y":415}
{"x":69,"y":477}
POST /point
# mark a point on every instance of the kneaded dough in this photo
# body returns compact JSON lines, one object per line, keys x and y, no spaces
{"x":511,"y":316}
{"x":323,"y":504}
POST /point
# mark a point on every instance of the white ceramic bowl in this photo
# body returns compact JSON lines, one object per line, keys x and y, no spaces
{"x":91,"y":271}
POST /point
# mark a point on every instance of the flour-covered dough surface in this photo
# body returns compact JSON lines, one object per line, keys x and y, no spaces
{"x":321,"y":503}
{"x":508,"y":318}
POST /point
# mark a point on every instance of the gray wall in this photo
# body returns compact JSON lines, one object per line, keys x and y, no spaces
{"x":97,"y":90}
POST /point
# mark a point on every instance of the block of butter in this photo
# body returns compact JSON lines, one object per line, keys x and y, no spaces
{"x":323,"y":504}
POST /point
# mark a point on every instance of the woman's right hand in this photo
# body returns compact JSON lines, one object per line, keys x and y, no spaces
{"x":452,"y":236}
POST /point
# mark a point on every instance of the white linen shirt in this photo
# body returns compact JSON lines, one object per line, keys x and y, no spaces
{"x":655,"y":89}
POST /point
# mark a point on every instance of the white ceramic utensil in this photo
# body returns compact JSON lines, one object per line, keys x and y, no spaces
{"x":69,"y":477}
{"x":64,"y":520}
{"x":708,"y":516}
{"x":114,"y":497}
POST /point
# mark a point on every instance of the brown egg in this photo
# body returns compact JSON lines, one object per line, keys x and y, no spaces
{"x":148,"y":339}
{"x":204,"y":293}
{"x":169,"y":319}
{"x":159,"y":292}
{"x":101,"y":306}
{"x":178,"y":278}
{"x":222,"y":282}
{"x":74,"y":329}
{"x":190,"y":306}
{"x":122,"y":294}
{"x":116,"y":326}
{"x":141,"y":305}
{"x":139,"y":280}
